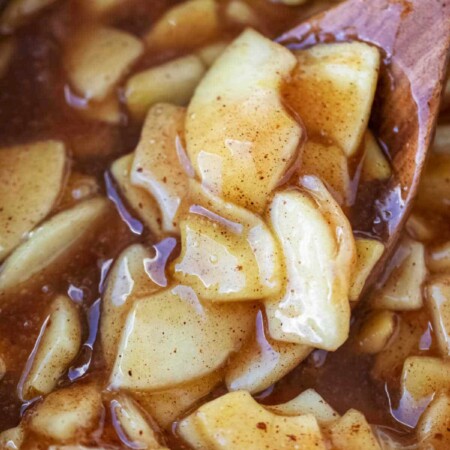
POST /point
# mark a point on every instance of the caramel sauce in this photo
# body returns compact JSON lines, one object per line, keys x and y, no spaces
{"x":36,"y":103}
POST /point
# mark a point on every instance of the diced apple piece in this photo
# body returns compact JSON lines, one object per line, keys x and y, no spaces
{"x":137,"y":197}
{"x":439,"y":257}
{"x":438,"y":300}
{"x":240,"y":139}
{"x":172,"y":82}
{"x":106,"y":111}
{"x":117,"y":52}
{"x":308,"y":402}
{"x":388,"y":363}
{"x":7,"y":47}
{"x":31,"y":179}
{"x":375,"y":165}
{"x":368,"y":253}
{"x":49,"y":243}
{"x":352,"y":432}
{"x":329,"y":164}
{"x":167,"y":406}
{"x":236,"y":420}
{"x":133,"y":423}
{"x":424,"y":376}
{"x":314,"y":233}
{"x":186,"y":25}
{"x":332,"y":90}
{"x":12,"y":438}
{"x":420,"y":229}
{"x":171,"y":338}
{"x":402,"y":289}
{"x":376,"y":331}
{"x":441,"y":142}
{"x":261,"y":362}
{"x":434,"y":189}
{"x":220,"y":260}
{"x":126,"y":282}
{"x":433,"y":430}
{"x":17,"y":12}
{"x":211,"y":52}
{"x":241,"y":13}
{"x":66,"y":413}
{"x":157,"y":167}
{"x":57,"y":345}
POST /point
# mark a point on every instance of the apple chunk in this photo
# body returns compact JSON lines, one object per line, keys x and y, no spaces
{"x":235,"y":420}
{"x":319,"y":251}
{"x":239,"y":137}
{"x":332,"y":90}
{"x":171,"y":338}
{"x":157,"y":165}
{"x":31,"y":179}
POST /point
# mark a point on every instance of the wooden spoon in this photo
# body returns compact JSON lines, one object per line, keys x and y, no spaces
{"x":414,"y":36}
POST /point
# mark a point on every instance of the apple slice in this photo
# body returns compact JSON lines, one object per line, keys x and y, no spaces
{"x":376,"y":332}
{"x":433,"y":429}
{"x":239,"y":137}
{"x":319,"y":251}
{"x":142,"y":203}
{"x":186,"y":25}
{"x":126,"y":282}
{"x":235,"y":420}
{"x":51,"y":242}
{"x":375,"y":165}
{"x":332,"y":90}
{"x":157,"y":165}
{"x":31,"y":179}
{"x":67,"y":413}
{"x":56,"y":347}
{"x":308,"y":402}
{"x":262,"y":362}
{"x":116,"y":50}
{"x":171,"y":82}
{"x":12,"y":438}
{"x":171,"y":338}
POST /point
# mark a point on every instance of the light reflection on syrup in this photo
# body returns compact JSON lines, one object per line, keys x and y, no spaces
{"x":156,"y":267}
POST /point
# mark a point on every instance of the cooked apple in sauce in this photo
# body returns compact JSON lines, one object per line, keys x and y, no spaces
{"x":189,"y":224}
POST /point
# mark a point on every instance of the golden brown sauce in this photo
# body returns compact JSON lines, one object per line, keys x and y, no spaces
{"x":34,"y":104}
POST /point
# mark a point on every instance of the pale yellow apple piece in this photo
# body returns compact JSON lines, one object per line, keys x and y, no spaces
{"x":424,"y":376}
{"x":375,"y":166}
{"x":352,"y":432}
{"x":433,"y":429}
{"x":134,"y":423}
{"x":126,"y":282}
{"x":329,"y":164}
{"x":158,"y":164}
{"x":67,"y":413}
{"x":53,"y":240}
{"x":239,"y":137}
{"x":262,"y":362}
{"x":319,"y":251}
{"x":438,"y":259}
{"x":376,"y":331}
{"x":116,"y":50}
{"x":438,"y":302}
{"x":406,"y":340}
{"x":219,"y":261}
{"x":420,"y":229}
{"x":12,"y":438}
{"x":17,"y":12}
{"x":402,"y":286}
{"x":186,"y":25}
{"x":211,"y":52}
{"x":57,"y":345}
{"x":167,"y":406}
{"x":241,"y":13}
{"x":31,"y":179}
{"x":190,"y":431}
{"x":308,"y":402}
{"x":332,"y":90}
{"x":172,"y":82}
{"x":106,"y":111}
{"x":171,"y":338}
{"x":7,"y":48}
{"x":368,"y":253}
{"x":137,"y":197}
{"x":236,"y":420}
{"x":441,"y":143}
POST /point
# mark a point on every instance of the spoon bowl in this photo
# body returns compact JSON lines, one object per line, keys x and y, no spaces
{"x":414,"y":37}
